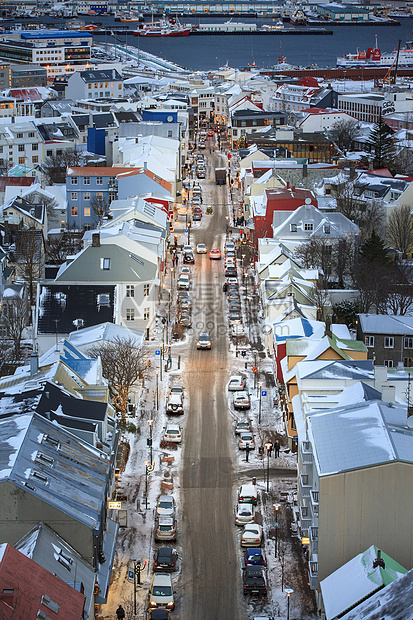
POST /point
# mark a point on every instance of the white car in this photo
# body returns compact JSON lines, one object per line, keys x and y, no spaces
{"x":185,"y":271}
{"x":183,"y":282}
{"x":187,"y":248}
{"x":161,"y":593}
{"x":244,"y":439}
{"x":201,"y":248}
{"x":166,"y":506}
{"x":247,"y":493}
{"x":237,"y":330}
{"x":251,"y":535}
{"x":173,"y":432}
{"x":236,"y":383}
{"x":244,"y":513}
{"x":242,"y":400}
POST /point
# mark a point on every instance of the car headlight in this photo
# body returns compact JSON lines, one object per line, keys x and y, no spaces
{"x":170,"y":604}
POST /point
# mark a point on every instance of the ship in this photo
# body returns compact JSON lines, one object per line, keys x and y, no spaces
{"x":163,"y":28}
{"x":374,"y":57}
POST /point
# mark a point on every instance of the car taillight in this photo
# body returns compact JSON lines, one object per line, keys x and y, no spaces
{"x":172,"y":563}
{"x":155,"y":563}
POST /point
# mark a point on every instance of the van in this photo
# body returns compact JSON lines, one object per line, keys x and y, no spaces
{"x":247,"y":494}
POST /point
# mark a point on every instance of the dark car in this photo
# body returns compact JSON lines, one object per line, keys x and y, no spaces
{"x":159,"y":614}
{"x":231,"y":272}
{"x":196,"y":217}
{"x":254,"y":580}
{"x":234,"y":316}
{"x":254,"y":556}
{"x":234,"y":306}
{"x":188,"y":258}
{"x":165,"y":559}
{"x":233,"y":289}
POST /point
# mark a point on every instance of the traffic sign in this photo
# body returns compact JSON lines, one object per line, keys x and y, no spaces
{"x":255,"y":369}
{"x":186,"y":230}
{"x":157,"y":354}
{"x":264,"y":393}
{"x":276,"y":524}
{"x":131,"y":574}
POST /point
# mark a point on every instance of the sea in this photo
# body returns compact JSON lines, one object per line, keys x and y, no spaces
{"x":208,"y":52}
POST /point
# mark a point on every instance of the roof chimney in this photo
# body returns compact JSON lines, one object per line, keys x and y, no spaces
{"x":96,"y":240}
{"x":352,"y":172}
{"x":305,"y":170}
{"x":288,"y":184}
{"x":388,"y":393}
{"x":34,"y":364}
{"x":145,"y":165}
{"x":379,"y":560}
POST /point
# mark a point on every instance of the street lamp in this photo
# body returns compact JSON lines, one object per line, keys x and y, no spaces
{"x":150,"y":422}
{"x":276,"y":508}
{"x":157,"y":391}
{"x":268,"y":447}
{"x":288,"y":591}
{"x":259,"y":411}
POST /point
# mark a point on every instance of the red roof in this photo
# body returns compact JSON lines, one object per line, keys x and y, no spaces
{"x":381,"y":172}
{"x":288,"y":198}
{"x":16,"y":182}
{"x":27,"y":588}
{"x":308,"y":81}
{"x":31,"y":95}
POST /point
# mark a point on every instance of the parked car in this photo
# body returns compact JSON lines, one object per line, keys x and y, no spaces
{"x":244,"y":439}
{"x":188,"y":258}
{"x":188,"y":248}
{"x":185,"y":271}
{"x":251,"y":535}
{"x":197,"y":190}
{"x":254,"y":580}
{"x":255,"y":557}
{"x":175,"y":404}
{"x":230,"y":271}
{"x":201,"y":174}
{"x":242,"y":400}
{"x":197,"y":216}
{"x":248,"y":493}
{"x":161,"y":592}
{"x":204,"y":341}
{"x":165,"y":506}
{"x":237,"y":329}
{"x":235,"y":305}
{"x":165,"y":528}
{"x":229,"y":245}
{"x":234,"y":317}
{"x":232,"y":281}
{"x":215,"y":254}
{"x":165,"y":559}
{"x":173,"y":432}
{"x":176,"y":389}
{"x":183,"y":282}
{"x":185,"y":320}
{"x":201,"y":145}
{"x":244,"y":513}
{"x":196,"y":200}
{"x":243,"y":426}
{"x":236,"y":383}
{"x":201,"y":248}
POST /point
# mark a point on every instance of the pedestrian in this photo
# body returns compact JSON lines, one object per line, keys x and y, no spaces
{"x":277,"y":449}
{"x":120,"y":613}
{"x":247,"y":451}
{"x":270,"y":448}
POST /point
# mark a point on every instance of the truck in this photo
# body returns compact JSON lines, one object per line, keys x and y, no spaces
{"x":220,"y":176}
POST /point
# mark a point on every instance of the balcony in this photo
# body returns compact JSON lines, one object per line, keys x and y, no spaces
{"x":305,"y":486}
{"x":313,"y":571}
{"x":313,"y":536}
{"x":306,"y":452}
{"x":314,"y":496}
{"x":305,"y":519}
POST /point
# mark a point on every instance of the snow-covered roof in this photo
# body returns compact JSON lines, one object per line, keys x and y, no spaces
{"x":386,"y":324}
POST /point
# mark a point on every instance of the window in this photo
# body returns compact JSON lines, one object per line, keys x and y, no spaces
{"x":146,"y":290}
{"x":35,"y":147}
{"x":99,"y":196}
{"x":74,"y":181}
{"x":408,"y":343}
{"x":130,"y":314}
{"x":119,"y":86}
{"x":21,"y":160}
{"x":19,"y":135}
{"x":35,"y":159}
{"x":21,"y":148}
{"x":74,"y":211}
{"x":326,"y":229}
{"x":308,"y":226}
{"x":293,"y":227}
{"x":105,"y":263}
{"x":86,"y":180}
{"x":86,"y":195}
{"x":388,"y":363}
{"x":388,"y":342}
{"x":130,"y":290}
{"x":407,"y":362}
{"x":369,"y":341}
{"x":146,"y":313}
{"x":49,"y":153}
{"x":86,"y":211}
{"x":74,"y":195}
{"x":99,"y":180}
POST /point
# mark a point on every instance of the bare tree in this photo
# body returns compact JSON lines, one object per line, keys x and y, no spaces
{"x":29,"y":258}
{"x":56,"y":250}
{"x":373,"y":281}
{"x":322,"y":300}
{"x":344,"y":134}
{"x":318,"y":253}
{"x":14,"y":318}
{"x":400,"y":299}
{"x":123,"y":365}
{"x":367,"y":214}
{"x":400,"y":229}
{"x":55,"y":166}
{"x":99,"y":208}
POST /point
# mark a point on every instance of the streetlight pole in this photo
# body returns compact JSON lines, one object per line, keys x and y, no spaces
{"x":150,"y":422}
{"x":149,"y":467}
{"x":288,"y":591}
{"x":157,"y":390}
{"x":259,"y":411}
{"x":268,"y":447}
{"x":276,"y":508}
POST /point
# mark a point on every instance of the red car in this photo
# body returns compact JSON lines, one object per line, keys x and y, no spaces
{"x":215,"y":254}
{"x":210,"y":133}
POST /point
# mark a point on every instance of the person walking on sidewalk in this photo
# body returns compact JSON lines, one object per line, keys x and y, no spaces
{"x":120,"y":613}
{"x":277,"y":449}
{"x":247,"y":451}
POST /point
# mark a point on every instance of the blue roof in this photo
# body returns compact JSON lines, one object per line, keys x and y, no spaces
{"x":53,"y":34}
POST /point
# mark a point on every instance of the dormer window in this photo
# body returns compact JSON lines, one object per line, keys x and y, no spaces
{"x":105,"y":264}
{"x":308,"y":226}
{"x":327,"y":229}
{"x":293,"y":228}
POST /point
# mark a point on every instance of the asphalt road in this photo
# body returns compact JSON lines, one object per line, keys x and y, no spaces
{"x":210,"y":580}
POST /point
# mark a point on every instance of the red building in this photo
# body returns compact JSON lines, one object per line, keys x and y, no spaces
{"x":27,"y":589}
{"x":286,"y":199}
